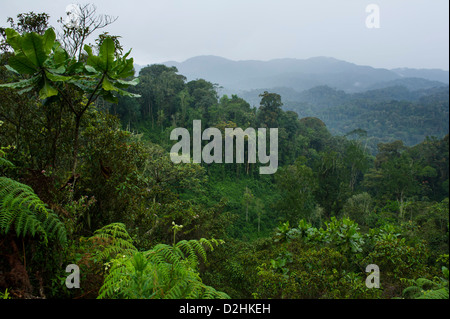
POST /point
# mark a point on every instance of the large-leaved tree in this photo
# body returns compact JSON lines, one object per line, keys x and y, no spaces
{"x":45,"y":67}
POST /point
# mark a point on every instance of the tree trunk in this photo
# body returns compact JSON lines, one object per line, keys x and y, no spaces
{"x":75,"y":147}
{"x":246,"y":212}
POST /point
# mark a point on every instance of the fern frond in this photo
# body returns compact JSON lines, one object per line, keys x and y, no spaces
{"x":28,"y":223}
{"x":117,"y":279}
{"x":441,"y":293}
{"x":423,"y":288}
{"x":5,"y":163}
{"x":164,"y":271}
{"x":211,"y":293}
{"x":197,"y":247}
{"x":21,"y":207}
{"x":177,"y":290}
{"x":55,"y":227}
{"x":113,"y":239}
{"x":165,"y":254}
{"x":426,"y":284}
{"x":412,"y":292}
{"x":15,"y":195}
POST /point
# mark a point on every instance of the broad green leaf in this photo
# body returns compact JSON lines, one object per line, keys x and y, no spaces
{"x":15,"y":85}
{"x":32,"y":47}
{"x":60,"y":70}
{"x":109,"y":97}
{"x":133,"y":82}
{"x":25,"y":90}
{"x":57,"y":77}
{"x":106,"y":54}
{"x":75,"y":67}
{"x":108,"y":86}
{"x":126,"y":69}
{"x":60,"y":56}
{"x":47,"y":91}
{"x":56,"y":45}
{"x":95,"y":62}
{"x":9,"y":68}
{"x":120,"y":85}
{"x":128,"y":94}
{"x":22,"y":64}
{"x":14,"y":39}
{"x":56,"y":63}
{"x":90,"y":69}
{"x":88,"y":49}
{"x":83,"y":83}
{"x":22,"y":84}
{"x":126,"y":55}
{"x":48,"y":40}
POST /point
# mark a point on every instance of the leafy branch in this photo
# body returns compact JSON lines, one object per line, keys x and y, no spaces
{"x":49,"y":70}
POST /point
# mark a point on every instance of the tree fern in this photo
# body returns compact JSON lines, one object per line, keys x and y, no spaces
{"x":192,"y":248}
{"x":3,"y":161}
{"x":441,"y":293}
{"x":165,"y":271}
{"x":22,"y":209}
{"x":111,"y":240}
{"x":423,"y":288}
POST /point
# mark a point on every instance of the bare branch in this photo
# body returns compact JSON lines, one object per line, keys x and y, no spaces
{"x":88,"y":21}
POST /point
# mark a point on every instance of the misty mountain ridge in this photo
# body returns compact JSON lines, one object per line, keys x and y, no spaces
{"x":324,"y":96}
{"x":407,"y":104}
{"x":303,"y":74}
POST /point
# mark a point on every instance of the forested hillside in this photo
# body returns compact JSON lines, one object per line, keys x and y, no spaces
{"x":387,"y":114}
{"x":86,"y":179}
{"x":343,"y":95}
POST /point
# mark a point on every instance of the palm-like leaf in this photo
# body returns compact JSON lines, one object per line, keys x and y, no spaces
{"x":21,"y":209}
{"x":164,"y":271}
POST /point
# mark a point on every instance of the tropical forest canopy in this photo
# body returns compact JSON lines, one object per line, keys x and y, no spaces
{"x":86,"y":179}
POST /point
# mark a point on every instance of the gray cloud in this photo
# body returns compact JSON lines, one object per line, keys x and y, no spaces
{"x":413,"y":33}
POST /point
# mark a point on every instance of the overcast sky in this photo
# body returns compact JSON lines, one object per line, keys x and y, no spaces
{"x":412,"y":33}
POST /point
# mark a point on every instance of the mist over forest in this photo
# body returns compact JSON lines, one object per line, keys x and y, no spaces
{"x":88,"y":181}
{"x":389,"y":104}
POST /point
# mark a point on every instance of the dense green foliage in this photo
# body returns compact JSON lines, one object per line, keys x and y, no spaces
{"x":165,"y":271}
{"x":22,"y":210}
{"x":386,"y":115}
{"x":86,"y":178}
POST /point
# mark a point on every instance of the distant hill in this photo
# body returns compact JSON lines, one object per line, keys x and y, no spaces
{"x":386,"y":114}
{"x":406,"y":104}
{"x":324,"y":96}
{"x":303,"y":74}
{"x":428,"y":74}
{"x":411,"y":83}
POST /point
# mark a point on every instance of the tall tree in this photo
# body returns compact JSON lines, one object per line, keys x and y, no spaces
{"x":297,"y":183}
{"x":247,"y":200}
{"x":26,"y":22}
{"x":55,"y":76}
{"x":270,"y":109}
